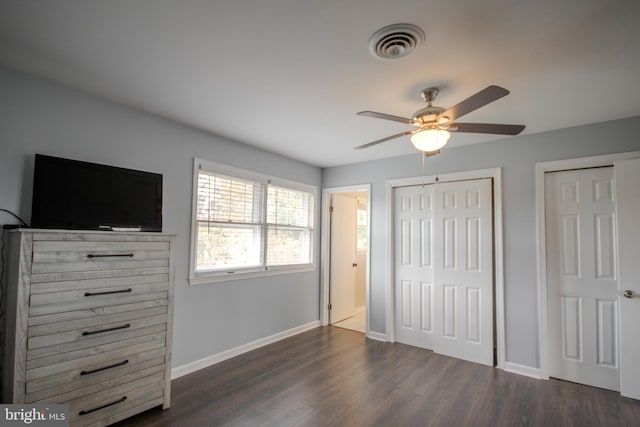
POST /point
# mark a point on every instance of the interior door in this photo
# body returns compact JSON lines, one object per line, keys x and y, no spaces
{"x":627,"y":178}
{"x":444,"y":268}
{"x":582,"y":277}
{"x":342,"y":280}
{"x":413,"y":207}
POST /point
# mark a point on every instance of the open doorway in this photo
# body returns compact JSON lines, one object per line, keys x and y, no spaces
{"x":346,"y":258}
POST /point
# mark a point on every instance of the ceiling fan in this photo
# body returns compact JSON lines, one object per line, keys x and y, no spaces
{"x":434,"y":124}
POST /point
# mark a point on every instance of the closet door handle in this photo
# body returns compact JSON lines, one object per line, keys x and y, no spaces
{"x":85,"y":333}
{"x":104,"y":368}
{"x":109,"y":256}
{"x":122,"y":399}
{"x":93,"y":294}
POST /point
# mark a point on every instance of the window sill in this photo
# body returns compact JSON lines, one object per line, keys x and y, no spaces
{"x":206,"y":279}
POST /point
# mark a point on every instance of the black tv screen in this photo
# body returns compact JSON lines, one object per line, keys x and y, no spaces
{"x":71,"y":194}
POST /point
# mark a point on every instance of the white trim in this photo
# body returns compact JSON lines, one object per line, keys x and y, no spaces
{"x":496,"y":174}
{"x":360,"y":309}
{"x":377,"y":336}
{"x":325,"y":251}
{"x":236,"y":351}
{"x":203,"y":278}
{"x":522,"y":370}
{"x":541,"y":243}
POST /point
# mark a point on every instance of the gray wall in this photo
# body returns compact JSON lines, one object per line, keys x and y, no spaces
{"x":517,"y":157}
{"x":41,"y":117}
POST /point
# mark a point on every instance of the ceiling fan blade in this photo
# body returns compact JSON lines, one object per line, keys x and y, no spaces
{"x":398,"y":135}
{"x":485,"y":128}
{"x":480,"y":99}
{"x":386,"y":117}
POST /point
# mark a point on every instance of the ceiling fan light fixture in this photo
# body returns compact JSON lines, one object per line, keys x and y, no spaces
{"x":429,"y":140}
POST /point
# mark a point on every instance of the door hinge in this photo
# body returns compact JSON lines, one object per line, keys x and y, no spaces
{"x":330,"y":209}
{"x":329,"y":306}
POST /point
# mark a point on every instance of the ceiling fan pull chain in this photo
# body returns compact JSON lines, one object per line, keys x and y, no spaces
{"x":424,"y":175}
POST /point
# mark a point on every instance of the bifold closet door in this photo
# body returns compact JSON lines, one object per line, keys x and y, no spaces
{"x":444,"y":268}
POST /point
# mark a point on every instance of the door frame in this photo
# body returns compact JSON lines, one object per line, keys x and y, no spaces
{"x":325,"y":251}
{"x":541,"y":240}
{"x":498,"y":254}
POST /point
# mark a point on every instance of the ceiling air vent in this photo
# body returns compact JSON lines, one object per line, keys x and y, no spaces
{"x":395,"y":41}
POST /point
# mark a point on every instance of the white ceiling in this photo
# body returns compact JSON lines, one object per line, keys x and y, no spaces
{"x":289,"y":75}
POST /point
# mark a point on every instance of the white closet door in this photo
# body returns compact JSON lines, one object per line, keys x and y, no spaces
{"x":463,"y":270}
{"x":414,"y":266}
{"x":582,"y":277}
{"x":444,"y":268}
{"x":627,"y":176}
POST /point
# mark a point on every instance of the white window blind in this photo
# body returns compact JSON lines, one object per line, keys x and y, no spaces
{"x":229,"y":215}
{"x":244,"y":224}
{"x":290,"y":226}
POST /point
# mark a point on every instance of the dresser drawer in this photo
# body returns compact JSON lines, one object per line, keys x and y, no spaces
{"x":102,"y":355}
{"x":43,"y":322}
{"x":92,"y":255}
{"x":88,"y":294}
{"x":93,"y":378}
{"x":47,"y":345}
{"x":88,"y":409}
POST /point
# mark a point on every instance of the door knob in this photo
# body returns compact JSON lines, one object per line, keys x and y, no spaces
{"x":628,"y":293}
{"x":354,"y":264}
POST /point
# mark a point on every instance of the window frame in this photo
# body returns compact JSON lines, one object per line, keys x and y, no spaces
{"x":206,"y":277}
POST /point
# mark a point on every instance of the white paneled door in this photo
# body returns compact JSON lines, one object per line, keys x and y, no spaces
{"x":582,"y":277}
{"x":444,"y":268}
{"x":627,"y":178}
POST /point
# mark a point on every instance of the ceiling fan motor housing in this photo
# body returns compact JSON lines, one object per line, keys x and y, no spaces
{"x":428,"y":114}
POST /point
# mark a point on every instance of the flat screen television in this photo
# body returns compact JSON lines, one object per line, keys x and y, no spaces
{"x":71,"y":194}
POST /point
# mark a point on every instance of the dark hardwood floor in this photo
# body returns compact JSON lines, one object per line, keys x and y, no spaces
{"x":335,"y":377}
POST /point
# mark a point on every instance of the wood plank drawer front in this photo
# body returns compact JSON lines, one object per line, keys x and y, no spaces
{"x":88,"y":409}
{"x":91,"y":374}
{"x":48,"y":345}
{"x":91,"y":284}
{"x":75,"y":390}
{"x":96,"y":321}
{"x":117,"y":252}
{"x":104,"y":355}
{"x":101,"y":274}
{"x":61,"y":302}
{"x":95,"y":312}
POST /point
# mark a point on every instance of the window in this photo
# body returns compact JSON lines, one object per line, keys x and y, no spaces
{"x":247,"y":224}
{"x":361,"y":227}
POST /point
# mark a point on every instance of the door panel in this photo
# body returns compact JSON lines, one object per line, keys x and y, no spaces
{"x":444,"y":268}
{"x":463,"y":270}
{"x":582,"y":277}
{"x":627,"y":191}
{"x":414,"y":316}
{"x":343,"y":255}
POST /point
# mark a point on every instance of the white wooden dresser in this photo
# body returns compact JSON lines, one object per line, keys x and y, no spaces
{"x":89,"y":321}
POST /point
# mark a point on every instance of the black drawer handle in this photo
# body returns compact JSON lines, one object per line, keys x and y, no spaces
{"x":124,"y":362}
{"x":85,"y":333}
{"x":109,"y":256}
{"x":93,"y":294}
{"x":122,"y":399}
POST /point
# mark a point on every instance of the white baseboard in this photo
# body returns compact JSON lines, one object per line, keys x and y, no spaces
{"x":527,"y":371}
{"x":228,"y":354}
{"x":360,"y":309}
{"x":377,"y":336}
